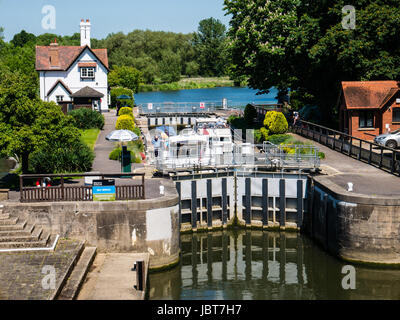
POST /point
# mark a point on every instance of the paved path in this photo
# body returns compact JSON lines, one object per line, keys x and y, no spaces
{"x":103,"y":147}
{"x":366,"y":178}
{"x":23,"y":274}
{"x":111,"y":277}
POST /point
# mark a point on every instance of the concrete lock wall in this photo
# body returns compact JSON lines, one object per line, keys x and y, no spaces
{"x":209,"y":200}
{"x":354,"y":227}
{"x":150,"y":225}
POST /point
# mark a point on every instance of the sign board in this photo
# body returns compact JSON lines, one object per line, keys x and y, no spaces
{"x":103,"y":190}
{"x":202,"y":105}
{"x":150,"y":106}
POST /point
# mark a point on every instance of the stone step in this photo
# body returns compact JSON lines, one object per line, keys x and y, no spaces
{"x":35,"y":236}
{"x":18,"y":226}
{"x":24,"y":232}
{"x":9,"y":221}
{"x":71,"y":288}
{"x":4,"y":216}
{"x":31,"y":244}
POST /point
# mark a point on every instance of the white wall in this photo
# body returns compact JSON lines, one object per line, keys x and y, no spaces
{"x":72,"y":79}
{"x":59,"y":91}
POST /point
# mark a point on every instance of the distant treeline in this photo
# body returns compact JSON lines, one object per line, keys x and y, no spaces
{"x":160,"y":57}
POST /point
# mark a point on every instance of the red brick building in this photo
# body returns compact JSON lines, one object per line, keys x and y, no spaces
{"x":369,"y":108}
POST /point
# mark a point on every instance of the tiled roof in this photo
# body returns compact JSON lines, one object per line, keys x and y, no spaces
{"x":87,"y":92}
{"x":55,"y":85}
{"x":67,"y":55}
{"x":368,"y":94}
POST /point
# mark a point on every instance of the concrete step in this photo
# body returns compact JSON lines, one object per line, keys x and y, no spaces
{"x":9,"y":221}
{"x":43,"y":242}
{"x":24,"y":232}
{"x":71,"y":288}
{"x":35,"y":236}
{"x":18,"y":226}
{"x":4,"y":216}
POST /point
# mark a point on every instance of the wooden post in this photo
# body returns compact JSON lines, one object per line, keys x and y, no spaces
{"x":393,"y":161}
{"x":143,"y":187}
{"x":21,"y":186}
{"x":370,"y":153}
{"x":62,"y":188}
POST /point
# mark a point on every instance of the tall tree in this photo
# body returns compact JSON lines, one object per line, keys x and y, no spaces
{"x":209,"y":44}
{"x":127,"y":77}
{"x":27,"y":123}
{"x":303,"y":46}
{"x":23,"y":38}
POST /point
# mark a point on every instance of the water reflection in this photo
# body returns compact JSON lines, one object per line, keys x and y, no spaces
{"x":260,"y":265}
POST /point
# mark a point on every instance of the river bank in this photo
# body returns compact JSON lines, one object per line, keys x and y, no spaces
{"x":189,"y":83}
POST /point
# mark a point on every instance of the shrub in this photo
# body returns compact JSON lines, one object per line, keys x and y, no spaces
{"x":125,"y":122}
{"x":118,"y":91}
{"x":115,"y":154}
{"x":59,"y":157}
{"x":126,"y":111}
{"x":275,"y":122}
{"x":85,"y":118}
{"x":250,"y":113}
{"x":279,"y":138}
{"x":261,"y":135}
{"x":264,"y":133}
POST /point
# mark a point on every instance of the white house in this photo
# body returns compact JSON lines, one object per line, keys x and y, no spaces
{"x":74,"y":76}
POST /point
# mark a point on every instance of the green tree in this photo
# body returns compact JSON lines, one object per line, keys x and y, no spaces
{"x":302,"y":45}
{"x":127,"y":77}
{"x":209,"y":44}
{"x":23,"y":38}
{"x":26,"y":122}
{"x":170,"y":67}
{"x":192,"y":68}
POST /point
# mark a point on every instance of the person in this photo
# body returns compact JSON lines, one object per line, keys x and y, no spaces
{"x":296,"y":118}
{"x":157,"y":144}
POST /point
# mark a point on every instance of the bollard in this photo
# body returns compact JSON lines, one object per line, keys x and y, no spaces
{"x":139,"y":268}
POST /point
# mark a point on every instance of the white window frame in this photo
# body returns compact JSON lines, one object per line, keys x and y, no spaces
{"x":59,"y":98}
{"x":88,"y":72}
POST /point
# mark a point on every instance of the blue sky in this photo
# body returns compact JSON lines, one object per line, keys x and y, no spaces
{"x":109,"y":16}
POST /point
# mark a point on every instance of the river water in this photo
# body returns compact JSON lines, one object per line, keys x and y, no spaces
{"x":236,"y":96}
{"x":264,"y":265}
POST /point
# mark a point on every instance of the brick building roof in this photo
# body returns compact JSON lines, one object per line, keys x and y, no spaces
{"x":368,"y":94}
{"x":66,"y":57}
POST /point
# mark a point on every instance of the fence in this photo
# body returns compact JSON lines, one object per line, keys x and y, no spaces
{"x":197,"y":107}
{"x":385,"y":158}
{"x":64,"y":192}
{"x":199,"y":156}
{"x":291,"y":156}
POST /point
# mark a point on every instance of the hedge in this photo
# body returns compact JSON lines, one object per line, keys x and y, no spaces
{"x":125,"y":122}
{"x":85,"y":118}
{"x":58,"y":157}
{"x":275,"y":122}
{"x":126,"y":111}
{"x":250,"y":113}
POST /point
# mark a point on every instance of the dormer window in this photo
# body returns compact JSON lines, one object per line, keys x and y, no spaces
{"x":87,"y":73}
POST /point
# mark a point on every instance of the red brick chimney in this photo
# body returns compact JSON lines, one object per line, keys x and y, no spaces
{"x":54,"y":56}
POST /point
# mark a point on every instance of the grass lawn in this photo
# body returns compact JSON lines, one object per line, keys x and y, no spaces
{"x":89,"y":136}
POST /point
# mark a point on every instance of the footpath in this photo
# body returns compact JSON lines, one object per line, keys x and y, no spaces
{"x":366,"y":179}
